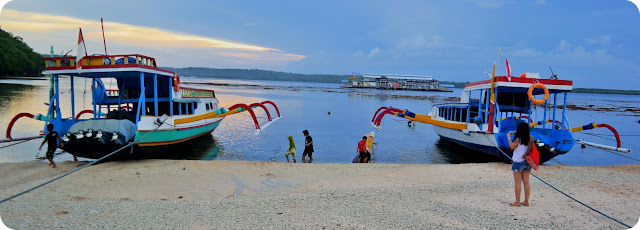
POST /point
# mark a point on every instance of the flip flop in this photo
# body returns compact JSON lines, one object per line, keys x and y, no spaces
{"x":526,"y":205}
{"x":514,"y":204}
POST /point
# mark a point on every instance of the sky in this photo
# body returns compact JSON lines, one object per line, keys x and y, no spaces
{"x":593,"y":43}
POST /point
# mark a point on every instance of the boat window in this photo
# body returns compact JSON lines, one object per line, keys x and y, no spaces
{"x":207,"y":105}
{"x":513,"y":102}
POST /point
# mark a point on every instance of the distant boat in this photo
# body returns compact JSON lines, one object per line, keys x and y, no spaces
{"x":394,"y":82}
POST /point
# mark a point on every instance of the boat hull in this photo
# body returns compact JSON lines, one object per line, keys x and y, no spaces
{"x":485,"y":143}
{"x":148,"y":139}
{"x":176,"y":135}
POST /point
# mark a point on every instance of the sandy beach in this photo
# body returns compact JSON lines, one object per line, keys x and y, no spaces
{"x":179,"y":194}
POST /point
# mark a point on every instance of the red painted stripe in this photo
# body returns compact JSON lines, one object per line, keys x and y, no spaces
{"x":110,"y":67}
{"x":523,"y":80}
{"x":101,"y":56}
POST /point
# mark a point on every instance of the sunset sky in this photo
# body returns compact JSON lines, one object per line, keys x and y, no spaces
{"x":593,"y":43}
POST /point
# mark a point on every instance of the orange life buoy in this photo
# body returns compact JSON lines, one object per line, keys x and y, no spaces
{"x":176,"y":82}
{"x":530,"y":93}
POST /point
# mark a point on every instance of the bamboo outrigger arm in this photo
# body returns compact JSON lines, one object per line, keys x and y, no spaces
{"x":406,"y":114}
{"x":594,"y":126}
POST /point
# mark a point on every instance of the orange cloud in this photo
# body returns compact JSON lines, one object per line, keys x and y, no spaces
{"x":147,"y":37}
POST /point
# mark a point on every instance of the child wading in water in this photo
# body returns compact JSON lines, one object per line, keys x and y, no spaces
{"x":308,"y":146}
{"x":292,"y":150}
{"x":52,"y":138}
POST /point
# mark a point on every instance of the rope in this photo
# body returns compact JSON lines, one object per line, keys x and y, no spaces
{"x":84,"y":95}
{"x":17,"y":143}
{"x":567,"y":195}
{"x":620,"y":154}
{"x":77,"y":169}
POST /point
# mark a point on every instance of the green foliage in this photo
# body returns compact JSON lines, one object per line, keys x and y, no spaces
{"x":455,"y":84}
{"x":17,"y":58}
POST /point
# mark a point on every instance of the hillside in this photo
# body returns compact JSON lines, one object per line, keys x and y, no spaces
{"x":17,"y":58}
{"x":255,"y":74}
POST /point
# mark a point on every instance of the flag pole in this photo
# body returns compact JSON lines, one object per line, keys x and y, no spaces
{"x":83,"y":44}
{"x":492,"y":98}
{"x":104,"y":40}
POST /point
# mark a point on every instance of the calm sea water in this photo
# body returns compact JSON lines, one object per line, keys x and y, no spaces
{"x":336,"y":119}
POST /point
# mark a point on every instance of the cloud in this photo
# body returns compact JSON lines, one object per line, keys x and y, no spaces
{"x":127,"y":35}
{"x":375,"y":52}
{"x":604,"y":40}
{"x":2,"y":4}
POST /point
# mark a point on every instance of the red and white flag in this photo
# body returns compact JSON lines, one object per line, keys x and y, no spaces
{"x":82,"y":51}
{"x":508,"y":69}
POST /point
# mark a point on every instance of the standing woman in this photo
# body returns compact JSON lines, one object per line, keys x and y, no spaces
{"x":521,"y":144}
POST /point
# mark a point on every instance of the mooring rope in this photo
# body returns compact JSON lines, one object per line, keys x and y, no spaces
{"x":77,"y":169}
{"x":611,"y":151}
{"x":16,"y":143}
{"x":563,"y":193}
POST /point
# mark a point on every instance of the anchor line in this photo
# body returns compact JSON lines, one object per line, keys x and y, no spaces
{"x":79,"y":168}
{"x":560,"y":191}
{"x":17,"y":143}
{"x":620,"y":154}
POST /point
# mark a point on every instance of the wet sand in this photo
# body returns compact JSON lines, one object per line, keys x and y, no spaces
{"x":169,"y":194}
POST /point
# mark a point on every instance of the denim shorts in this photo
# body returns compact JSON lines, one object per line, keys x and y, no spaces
{"x":520,"y":166}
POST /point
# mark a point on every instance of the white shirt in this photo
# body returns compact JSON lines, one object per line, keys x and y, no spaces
{"x":518,"y":153}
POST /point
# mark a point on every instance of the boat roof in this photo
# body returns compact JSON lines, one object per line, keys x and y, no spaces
{"x":518,"y":84}
{"x":99,"y":66}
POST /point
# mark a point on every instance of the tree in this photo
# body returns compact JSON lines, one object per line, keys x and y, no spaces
{"x":17,"y":58}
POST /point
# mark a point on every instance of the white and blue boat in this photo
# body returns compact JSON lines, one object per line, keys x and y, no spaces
{"x":478,"y":124}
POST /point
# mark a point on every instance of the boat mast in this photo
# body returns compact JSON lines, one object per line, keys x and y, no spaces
{"x":50,"y":112}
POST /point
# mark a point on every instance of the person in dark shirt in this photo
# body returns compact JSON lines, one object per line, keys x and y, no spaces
{"x":52,"y":138}
{"x":308,"y":146}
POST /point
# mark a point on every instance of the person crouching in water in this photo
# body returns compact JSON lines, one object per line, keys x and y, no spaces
{"x":522,"y":145}
{"x":292,"y":150}
{"x":362,"y":150}
{"x":52,"y":137}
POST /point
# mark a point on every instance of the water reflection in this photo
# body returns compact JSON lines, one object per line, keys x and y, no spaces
{"x":307,"y":106}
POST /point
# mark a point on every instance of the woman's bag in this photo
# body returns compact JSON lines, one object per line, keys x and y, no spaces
{"x":534,"y":158}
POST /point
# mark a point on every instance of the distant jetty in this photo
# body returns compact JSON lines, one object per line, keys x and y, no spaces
{"x":395,"y":82}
